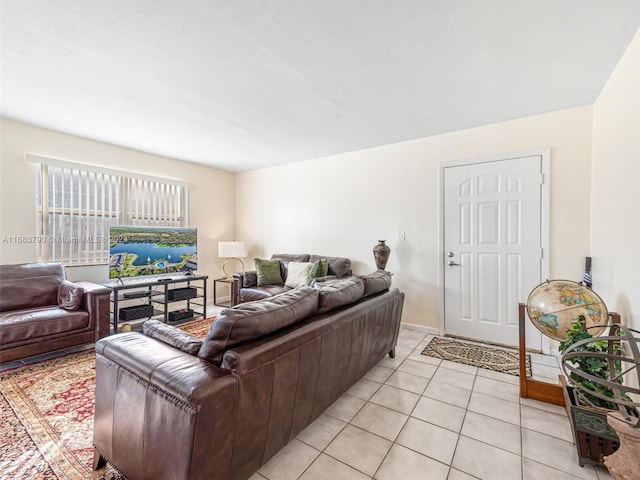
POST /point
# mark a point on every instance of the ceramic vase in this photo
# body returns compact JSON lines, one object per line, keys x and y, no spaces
{"x":381,"y":254}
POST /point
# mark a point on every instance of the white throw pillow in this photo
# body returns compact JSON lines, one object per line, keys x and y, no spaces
{"x":297,"y":273}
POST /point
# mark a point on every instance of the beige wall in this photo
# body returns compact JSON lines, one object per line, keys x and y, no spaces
{"x":615,"y":208}
{"x":212,"y":200}
{"x":340,"y":205}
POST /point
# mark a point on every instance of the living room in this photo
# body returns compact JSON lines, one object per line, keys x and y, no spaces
{"x":592,"y":172}
{"x":343,"y":203}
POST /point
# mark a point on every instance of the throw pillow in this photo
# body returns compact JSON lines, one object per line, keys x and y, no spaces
{"x":338,"y":266}
{"x":69,"y":295}
{"x":268,"y":272}
{"x":318,"y":269}
{"x":297,"y":273}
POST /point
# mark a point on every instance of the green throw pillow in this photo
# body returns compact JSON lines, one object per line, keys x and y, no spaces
{"x":318,"y":269}
{"x":268,"y":272}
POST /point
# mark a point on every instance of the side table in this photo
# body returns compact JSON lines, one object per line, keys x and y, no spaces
{"x":231,"y":291}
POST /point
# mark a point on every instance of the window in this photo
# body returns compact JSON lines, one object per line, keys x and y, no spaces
{"x":76,"y":206}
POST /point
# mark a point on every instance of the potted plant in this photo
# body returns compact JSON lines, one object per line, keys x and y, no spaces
{"x":593,"y":436}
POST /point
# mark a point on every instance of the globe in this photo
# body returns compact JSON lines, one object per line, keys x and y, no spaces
{"x":555,"y":304}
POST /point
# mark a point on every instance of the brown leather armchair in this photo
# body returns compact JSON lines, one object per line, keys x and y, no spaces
{"x":40,"y":311}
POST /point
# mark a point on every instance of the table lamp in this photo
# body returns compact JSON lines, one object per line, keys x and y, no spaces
{"x":231,"y":251}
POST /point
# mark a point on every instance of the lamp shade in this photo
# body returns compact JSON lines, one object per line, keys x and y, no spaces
{"x":232,"y":250}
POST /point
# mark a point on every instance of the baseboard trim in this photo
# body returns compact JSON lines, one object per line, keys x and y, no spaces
{"x":420,"y":328}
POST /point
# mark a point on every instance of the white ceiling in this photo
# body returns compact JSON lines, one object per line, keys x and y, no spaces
{"x":244,"y":84}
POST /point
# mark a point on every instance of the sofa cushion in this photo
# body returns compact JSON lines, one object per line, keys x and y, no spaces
{"x":339,"y":293}
{"x":249,"y":278}
{"x":285,"y":258}
{"x":323,"y":281}
{"x":69,"y":295}
{"x":29,"y":285}
{"x":318,"y":269}
{"x":297,"y":273}
{"x":291,"y":257}
{"x":252,"y":320}
{"x":338,"y":266}
{"x":268,"y":272}
{"x":23,"y":326}
{"x":375,"y":282}
{"x":252,"y":294}
{"x":172,"y":336}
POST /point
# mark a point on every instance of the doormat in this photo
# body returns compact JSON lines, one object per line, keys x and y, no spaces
{"x":46,"y":417}
{"x":491,"y":358}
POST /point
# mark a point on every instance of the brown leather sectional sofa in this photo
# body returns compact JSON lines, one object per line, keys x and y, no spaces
{"x":40,"y":311}
{"x":248,"y":289}
{"x":169,"y":406}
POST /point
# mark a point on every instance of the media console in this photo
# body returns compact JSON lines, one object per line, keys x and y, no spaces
{"x":179,"y":298}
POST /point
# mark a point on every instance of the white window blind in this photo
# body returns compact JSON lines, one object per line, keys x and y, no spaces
{"x":76,"y":206}
{"x":153,"y":203}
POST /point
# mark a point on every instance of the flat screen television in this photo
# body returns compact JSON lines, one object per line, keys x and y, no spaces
{"x":140,"y":251}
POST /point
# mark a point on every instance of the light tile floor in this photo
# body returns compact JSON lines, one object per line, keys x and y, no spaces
{"x":418,"y":417}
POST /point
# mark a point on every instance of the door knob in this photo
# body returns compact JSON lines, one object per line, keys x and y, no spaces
{"x":450,"y":254}
{"x":453,"y":264}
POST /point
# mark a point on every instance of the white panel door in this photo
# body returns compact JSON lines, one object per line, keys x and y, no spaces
{"x":492,"y":248}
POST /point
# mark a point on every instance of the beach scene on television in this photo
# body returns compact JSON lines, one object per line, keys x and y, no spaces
{"x":140,"y":251}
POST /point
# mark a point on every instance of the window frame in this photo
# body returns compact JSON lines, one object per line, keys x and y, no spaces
{"x":139,"y":200}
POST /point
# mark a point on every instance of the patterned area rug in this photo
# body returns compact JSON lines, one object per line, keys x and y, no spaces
{"x":197,"y":328}
{"x":497,"y":359}
{"x":46,"y":417}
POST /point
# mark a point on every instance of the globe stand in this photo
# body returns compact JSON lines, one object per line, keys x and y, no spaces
{"x":530,"y":388}
{"x":535,"y":389}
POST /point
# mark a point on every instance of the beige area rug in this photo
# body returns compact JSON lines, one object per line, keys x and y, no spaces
{"x":497,"y":359}
{"x":46,"y":417}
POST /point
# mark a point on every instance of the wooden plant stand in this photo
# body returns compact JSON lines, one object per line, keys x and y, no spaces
{"x":530,"y":388}
{"x":535,"y":389}
{"x":593,"y":437}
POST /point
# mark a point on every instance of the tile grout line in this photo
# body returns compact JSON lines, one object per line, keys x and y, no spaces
{"x":421,"y":395}
{"x":466,"y":411}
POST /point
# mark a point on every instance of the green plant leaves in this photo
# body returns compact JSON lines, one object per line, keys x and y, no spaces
{"x":594,"y":366}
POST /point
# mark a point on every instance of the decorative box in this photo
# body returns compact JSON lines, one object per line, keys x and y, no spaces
{"x":135,"y":312}
{"x":180,"y":314}
{"x":185,"y":293}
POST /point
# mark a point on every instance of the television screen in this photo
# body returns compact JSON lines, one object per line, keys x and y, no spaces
{"x":136,"y":251}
